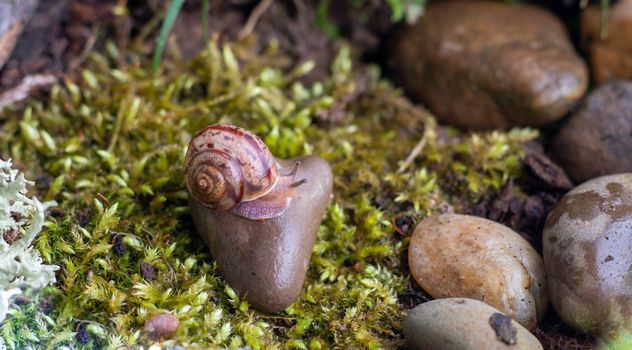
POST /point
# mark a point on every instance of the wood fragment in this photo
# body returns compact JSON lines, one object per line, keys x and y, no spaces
{"x":29,"y":84}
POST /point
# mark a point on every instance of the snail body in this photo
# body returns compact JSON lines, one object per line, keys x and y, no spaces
{"x":230,"y":168}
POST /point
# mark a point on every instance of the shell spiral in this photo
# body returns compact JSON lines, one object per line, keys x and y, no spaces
{"x":226,"y":165}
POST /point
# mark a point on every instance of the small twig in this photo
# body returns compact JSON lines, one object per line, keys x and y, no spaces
{"x":29,"y":84}
{"x":259,"y":10}
{"x":415,"y":151}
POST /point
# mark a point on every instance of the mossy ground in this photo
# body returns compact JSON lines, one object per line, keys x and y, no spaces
{"x":109,"y":149}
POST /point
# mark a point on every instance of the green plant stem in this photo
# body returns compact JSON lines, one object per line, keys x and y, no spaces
{"x":205,"y":8}
{"x":172,"y":14}
{"x":605,"y":11}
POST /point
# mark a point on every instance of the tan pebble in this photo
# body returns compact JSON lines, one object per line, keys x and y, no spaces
{"x":464,"y":324}
{"x":456,"y":255}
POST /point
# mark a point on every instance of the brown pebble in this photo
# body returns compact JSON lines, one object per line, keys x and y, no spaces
{"x":597,"y":139}
{"x":148,"y":271}
{"x":454,"y":255}
{"x":267,"y":260}
{"x":161,"y":326}
{"x":610,"y":54}
{"x":486,"y":65}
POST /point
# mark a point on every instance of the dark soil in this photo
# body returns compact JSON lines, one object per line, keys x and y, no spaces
{"x":57,"y":39}
{"x":62,"y":33}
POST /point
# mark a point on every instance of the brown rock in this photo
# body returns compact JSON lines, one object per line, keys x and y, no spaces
{"x":267,"y":260}
{"x":597,"y":140}
{"x":587,"y":245}
{"x":464,"y":324}
{"x":484,"y":65}
{"x":161,"y":326}
{"x":456,"y":255}
{"x":610,"y":54}
{"x":13,"y":17}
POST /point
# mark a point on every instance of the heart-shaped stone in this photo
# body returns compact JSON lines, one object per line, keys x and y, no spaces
{"x":266,"y":261}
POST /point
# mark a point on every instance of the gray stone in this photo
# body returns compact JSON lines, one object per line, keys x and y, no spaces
{"x":597,"y":140}
{"x":464,"y":324}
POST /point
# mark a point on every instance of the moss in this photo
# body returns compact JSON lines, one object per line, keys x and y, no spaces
{"x":110,"y":147}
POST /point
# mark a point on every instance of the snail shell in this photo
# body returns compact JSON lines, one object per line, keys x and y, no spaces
{"x":229,"y":168}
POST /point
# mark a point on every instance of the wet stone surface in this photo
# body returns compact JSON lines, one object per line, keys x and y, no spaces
{"x":588,"y":256}
{"x":485,"y":65}
{"x":610,"y":54}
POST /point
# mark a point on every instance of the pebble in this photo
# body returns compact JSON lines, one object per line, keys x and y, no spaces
{"x":464,"y":324}
{"x":266,"y":261}
{"x":455,"y":255}
{"x":610,"y":55}
{"x":597,"y":139}
{"x":161,"y":326}
{"x":488,"y":65}
{"x":587,"y":244}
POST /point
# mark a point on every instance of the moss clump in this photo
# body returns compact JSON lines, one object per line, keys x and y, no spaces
{"x":109,"y":149}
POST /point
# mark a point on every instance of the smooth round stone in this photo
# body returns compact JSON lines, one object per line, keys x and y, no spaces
{"x":464,"y":324}
{"x":456,"y":255}
{"x":587,"y":244}
{"x":610,"y":55}
{"x":486,"y":65}
{"x":597,"y":140}
{"x":267,"y":260}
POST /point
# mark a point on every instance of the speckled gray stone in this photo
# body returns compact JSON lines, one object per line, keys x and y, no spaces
{"x":587,"y":245}
{"x":461,"y":324}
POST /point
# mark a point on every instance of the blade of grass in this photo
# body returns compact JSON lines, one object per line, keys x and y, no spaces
{"x":323,"y":21}
{"x":172,"y":14}
{"x":605,"y":10}
{"x":205,"y":20}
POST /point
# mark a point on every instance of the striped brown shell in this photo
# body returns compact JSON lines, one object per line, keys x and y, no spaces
{"x":226,"y":165}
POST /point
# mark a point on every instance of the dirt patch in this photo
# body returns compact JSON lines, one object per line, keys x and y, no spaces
{"x":57,"y":39}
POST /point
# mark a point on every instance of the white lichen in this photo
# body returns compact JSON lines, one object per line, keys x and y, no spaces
{"x":21,"y":219}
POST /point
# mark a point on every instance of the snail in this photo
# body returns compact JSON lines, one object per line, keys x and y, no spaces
{"x":230,"y":168}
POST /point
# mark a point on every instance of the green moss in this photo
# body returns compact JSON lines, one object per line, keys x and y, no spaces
{"x":111,"y":147}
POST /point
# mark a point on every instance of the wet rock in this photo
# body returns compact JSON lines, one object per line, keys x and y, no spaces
{"x":588,"y":255}
{"x":597,"y":140}
{"x":267,"y":260}
{"x":611,"y":53}
{"x":456,"y":255}
{"x":484,"y":65}
{"x":13,"y":17}
{"x":464,"y":324}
